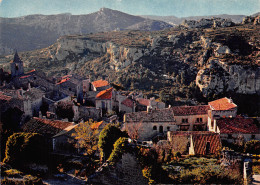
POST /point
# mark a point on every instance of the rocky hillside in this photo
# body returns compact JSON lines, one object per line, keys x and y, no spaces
{"x":39,"y":31}
{"x":173,"y":20}
{"x":217,"y":60}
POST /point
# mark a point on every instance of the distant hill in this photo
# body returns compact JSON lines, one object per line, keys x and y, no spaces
{"x":39,"y":31}
{"x":176,"y":20}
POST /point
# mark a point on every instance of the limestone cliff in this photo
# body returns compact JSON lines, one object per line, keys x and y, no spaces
{"x":217,"y":77}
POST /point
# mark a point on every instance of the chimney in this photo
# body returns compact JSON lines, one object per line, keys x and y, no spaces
{"x":149,"y":109}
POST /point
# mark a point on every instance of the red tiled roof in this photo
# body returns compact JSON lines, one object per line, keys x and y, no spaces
{"x":96,"y":125}
{"x":143,"y":101}
{"x":190,"y":110}
{"x":45,"y":126}
{"x":100,"y":83}
{"x":105,"y":94}
{"x":22,"y":77}
{"x":237,"y":125}
{"x":4,"y":97}
{"x":200,"y":143}
{"x":127,"y":102}
{"x":63,"y":80}
{"x":222,"y":104}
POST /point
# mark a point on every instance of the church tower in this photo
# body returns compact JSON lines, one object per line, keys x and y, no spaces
{"x":16,"y":66}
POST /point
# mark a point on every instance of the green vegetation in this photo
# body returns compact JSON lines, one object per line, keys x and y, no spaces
{"x":201,"y":171}
{"x":121,"y":146}
{"x":24,"y":147}
{"x":108,"y":136}
{"x":252,"y":147}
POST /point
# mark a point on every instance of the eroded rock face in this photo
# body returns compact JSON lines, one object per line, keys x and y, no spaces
{"x":208,"y":23}
{"x":218,"y":77}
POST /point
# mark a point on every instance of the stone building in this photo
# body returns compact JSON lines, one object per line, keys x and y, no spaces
{"x":16,"y":66}
{"x":198,"y":143}
{"x":104,"y":100}
{"x":100,"y":85}
{"x":154,"y":122}
{"x":236,"y":129}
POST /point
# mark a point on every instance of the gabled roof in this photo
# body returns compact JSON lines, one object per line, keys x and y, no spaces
{"x":45,"y":126}
{"x":142,"y":101}
{"x":222,"y":104}
{"x":100,"y":83}
{"x":127,"y":102}
{"x":105,"y":94}
{"x":190,"y":110}
{"x":201,"y":140}
{"x":96,"y":125}
{"x":237,"y":125}
{"x":159,"y":115}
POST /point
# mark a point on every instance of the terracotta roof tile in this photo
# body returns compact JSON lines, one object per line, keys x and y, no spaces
{"x":96,"y":125}
{"x":100,"y":83}
{"x":105,"y":94}
{"x":190,"y":110}
{"x":222,"y":104}
{"x":127,"y":102}
{"x":200,"y":142}
{"x":237,"y":125}
{"x":143,"y":101}
{"x":45,"y":126}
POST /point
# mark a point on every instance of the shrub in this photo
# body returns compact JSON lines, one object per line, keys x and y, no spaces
{"x":13,"y":173}
{"x":23,"y":147}
{"x":252,"y":147}
{"x":107,"y":138}
{"x":121,"y":146}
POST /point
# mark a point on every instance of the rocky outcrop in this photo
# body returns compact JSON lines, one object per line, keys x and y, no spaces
{"x":208,"y":23}
{"x":218,"y":77}
{"x":127,"y":171}
{"x":251,"y":19}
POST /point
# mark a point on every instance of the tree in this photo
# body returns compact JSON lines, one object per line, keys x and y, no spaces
{"x":120,"y":147}
{"x":133,"y":130}
{"x":86,"y":137}
{"x":24,"y":147}
{"x":162,"y":96}
{"x":107,"y":138}
{"x":252,"y":147}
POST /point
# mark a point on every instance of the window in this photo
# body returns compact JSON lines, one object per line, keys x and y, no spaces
{"x":208,"y":148}
{"x":185,"y":120}
{"x":199,"y":120}
{"x":154,"y":127}
{"x":253,"y":136}
{"x":229,"y":136}
{"x":168,"y":128}
{"x":69,"y":89}
{"x":161,"y":129}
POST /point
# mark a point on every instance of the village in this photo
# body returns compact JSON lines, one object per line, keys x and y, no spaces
{"x":31,"y":102}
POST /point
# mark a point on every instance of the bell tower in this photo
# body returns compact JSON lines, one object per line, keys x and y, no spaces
{"x":16,"y":66}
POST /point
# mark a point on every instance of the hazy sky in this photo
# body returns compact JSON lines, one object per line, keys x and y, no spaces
{"x":179,"y":8}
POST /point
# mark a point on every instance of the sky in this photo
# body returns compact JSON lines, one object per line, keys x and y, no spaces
{"x":179,"y":8}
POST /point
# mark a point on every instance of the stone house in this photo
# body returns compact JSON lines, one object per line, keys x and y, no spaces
{"x":143,"y":104}
{"x":104,"y":100}
{"x":159,"y":121}
{"x":100,"y":85}
{"x":127,"y":106}
{"x":234,"y":129}
{"x":204,"y":143}
{"x":191,"y":117}
{"x":195,"y":142}
{"x":223,"y":107}
{"x":48,"y":128}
